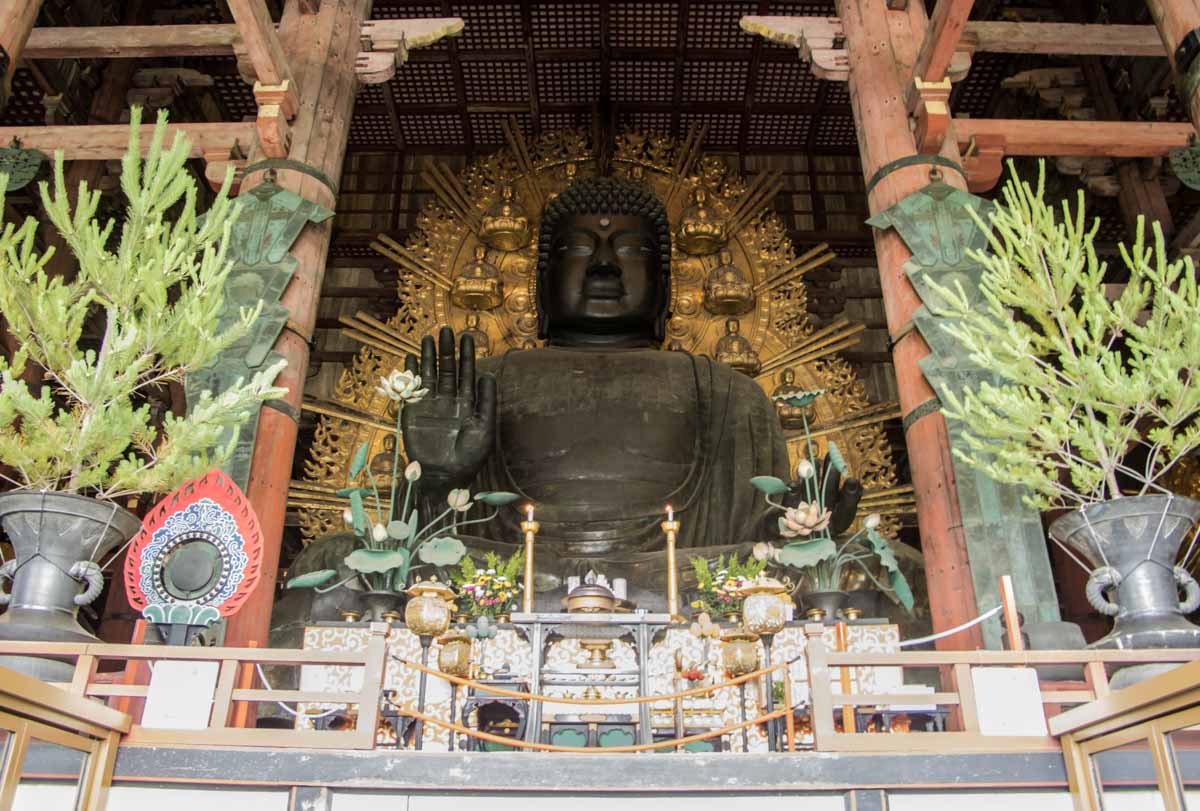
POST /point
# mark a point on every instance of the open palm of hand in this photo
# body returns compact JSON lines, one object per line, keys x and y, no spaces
{"x":450,"y":431}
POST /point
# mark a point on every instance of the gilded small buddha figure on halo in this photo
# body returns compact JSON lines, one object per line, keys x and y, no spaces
{"x":599,"y":428}
{"x":726,"y":291}
{"x":478,"y":285}
{"x":701,"y":229}
{"x":790,"y":416}
{"x":506,"y":225}
{"x":734,"y":350}
{"x":483,"y":342}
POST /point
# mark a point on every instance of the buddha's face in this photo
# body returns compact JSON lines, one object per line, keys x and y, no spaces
{"x":605,"y":277}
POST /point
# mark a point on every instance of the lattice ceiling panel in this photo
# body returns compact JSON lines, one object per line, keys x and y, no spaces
{"x":788,"y":82}
{"x":370,"y":94}
{"x":834,"y":131}
{"x":372,"y":129}
{"x":974,"y":95}
{"x":565,"y":121}
{"x":837,"y":94}
{"x":778,"y":130}
{"x":431,"y":130}
{"x":566,"y":25}
{"x":424,"y":83}
{"x":496,"y":81}
{"x":646,"y":82}
{"x":231,"y":88}
{"x":714,"y":81}
{"x":489,"y":27}
{"x":25,"y":105}
{"x":487,"y":130}
{"x":658,"y":123}
{"x":723,"y":128}
{"x":644,"y":25}
{"x":568,"y":82}
{"x":715,"y":25}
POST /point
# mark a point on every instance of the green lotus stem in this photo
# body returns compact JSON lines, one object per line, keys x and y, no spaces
{"x":339,"y":584}
{"x":396,"y":466}
{"x":432,"y":525}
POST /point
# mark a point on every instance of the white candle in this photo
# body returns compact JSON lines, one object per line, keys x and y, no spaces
{"x":620,"y":588}
{"x":670,"y":513}
{"x":529,"y":512}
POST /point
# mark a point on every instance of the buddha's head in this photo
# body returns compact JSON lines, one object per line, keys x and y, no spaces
{"x":604,"y":265}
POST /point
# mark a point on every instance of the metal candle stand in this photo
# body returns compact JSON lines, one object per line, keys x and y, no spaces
{"x":772,"y":724}
{"x":426,"y":641}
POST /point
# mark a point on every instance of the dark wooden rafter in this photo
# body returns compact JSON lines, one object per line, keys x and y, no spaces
{"x":751,"y":86}
{"x":535,"y":118}
{"x":945,"y":29}
{"x":460,"y":89}
{"x":680,"y":55}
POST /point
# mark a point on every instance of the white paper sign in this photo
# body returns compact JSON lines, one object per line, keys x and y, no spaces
{"x":1009,"y":701}
{"x":180,"y":695}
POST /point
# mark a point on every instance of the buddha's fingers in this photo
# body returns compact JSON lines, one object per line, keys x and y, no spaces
{"x":447,"y":372}
{"x":485,"y":405}
{"x":466,"y":369}
{"x":428,"y":362}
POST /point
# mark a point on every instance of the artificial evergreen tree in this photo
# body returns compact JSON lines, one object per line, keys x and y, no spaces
{"x":1097,"y":394}
{"x":153,"y":286}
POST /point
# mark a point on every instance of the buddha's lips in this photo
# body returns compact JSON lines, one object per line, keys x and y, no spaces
{"x":603,"y":287}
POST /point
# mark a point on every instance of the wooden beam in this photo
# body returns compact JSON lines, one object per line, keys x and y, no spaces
{"x":261,"y":41}
{"x":945,"y":29}
{"x":131,"y":41}
{"x":99,"y":142}
{"x":1114,"y":139}
{"x":1176,"y":21}
{"x":16,"y":22}
{"x":1062,"y":39}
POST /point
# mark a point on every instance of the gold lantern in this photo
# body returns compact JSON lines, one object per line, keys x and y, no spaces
{"x":454,"y":657}
{"x":739,"y":652}
{"x":428,"y":612}
{"x":763,"y":609}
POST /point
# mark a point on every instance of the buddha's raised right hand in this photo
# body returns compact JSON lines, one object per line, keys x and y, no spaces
{"x":450,"y":432}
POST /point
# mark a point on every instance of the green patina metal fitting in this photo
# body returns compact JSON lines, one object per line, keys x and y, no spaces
{"x":1185,"y":163}
{"x":272,"y":219}
{"x":21,"y":166}
{"x":1003,"y":535}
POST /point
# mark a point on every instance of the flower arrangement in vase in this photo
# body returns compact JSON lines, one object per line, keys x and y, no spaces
{"x":492,"y":591}
{"x":719,"y":586}
{"x":394,"y":543}
{"x":816,"y":525}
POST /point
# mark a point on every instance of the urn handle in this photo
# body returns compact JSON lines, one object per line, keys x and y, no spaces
{"x":6,"y":576}
{"x":1191,"y":590}
{"x":1101,"y":579}
{"x":90,"y":574}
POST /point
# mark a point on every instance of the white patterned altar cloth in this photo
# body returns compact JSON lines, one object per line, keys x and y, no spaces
{"x":510,"y":653}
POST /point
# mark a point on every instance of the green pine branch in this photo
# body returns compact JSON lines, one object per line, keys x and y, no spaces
{"x":157,"y":292}
{"x":1085,"y":382}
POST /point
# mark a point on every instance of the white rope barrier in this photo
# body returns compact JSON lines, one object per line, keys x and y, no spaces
{"x":984,"y":617}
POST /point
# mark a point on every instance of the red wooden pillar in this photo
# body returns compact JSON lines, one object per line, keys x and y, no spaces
{"x":321,"y":49}
{"x":878,"y":84}
{"x":1176,"y":19}
{"x":16,"y":21}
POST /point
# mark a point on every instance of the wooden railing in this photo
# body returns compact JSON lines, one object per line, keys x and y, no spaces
{"x":234,"y":695}
{"x":963,"y":733}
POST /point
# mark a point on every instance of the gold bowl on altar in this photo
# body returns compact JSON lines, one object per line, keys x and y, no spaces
{"x":591,"y":599}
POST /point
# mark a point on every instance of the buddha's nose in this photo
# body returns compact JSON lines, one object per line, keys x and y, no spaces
{"x":604,"y":262}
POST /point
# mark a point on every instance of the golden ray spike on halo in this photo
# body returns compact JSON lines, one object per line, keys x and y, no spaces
{"x":517,"y":144}
{"x":367,"y":323}
{"x":762,"y":190}
{"x":792,"y":272}
{"x":393,"y":250}
{"x":817,"y":339}
{"x":341,"y":412}
{"x":387,"y":341}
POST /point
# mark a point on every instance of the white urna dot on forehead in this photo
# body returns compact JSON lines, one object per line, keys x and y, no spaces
{"x":605,"y":222}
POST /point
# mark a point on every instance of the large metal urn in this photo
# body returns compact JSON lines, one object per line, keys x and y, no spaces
{"x":57,"y":539}
{"x":1132,"y":544}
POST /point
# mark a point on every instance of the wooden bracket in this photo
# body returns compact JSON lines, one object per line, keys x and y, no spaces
{"x":386,"y":44}
{"x":821,"y":41}
{"x":930,"y":109}
{"x":283,"y":95}
{"x":983,"y":162}
{"x":218,"y":161}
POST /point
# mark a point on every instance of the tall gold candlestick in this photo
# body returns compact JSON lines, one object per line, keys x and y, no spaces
{"x":530,"y":528}
{"x":671,"y":528}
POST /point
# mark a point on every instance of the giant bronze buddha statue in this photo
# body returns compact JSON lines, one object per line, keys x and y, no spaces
{"x":599,"y":428}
